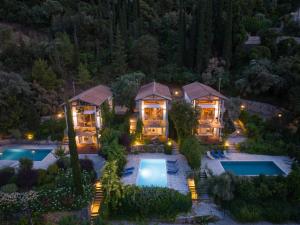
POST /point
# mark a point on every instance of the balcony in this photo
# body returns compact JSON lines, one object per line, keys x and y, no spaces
{"x":210,"y":123}
{"x":155,"y":123}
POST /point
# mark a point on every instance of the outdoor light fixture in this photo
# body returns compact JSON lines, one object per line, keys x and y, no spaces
{"x":238,"y":132}
{"x":243,"y":107}
{"x":30,"y":136}
{"x":279,"y":115}
{"x":176,"y":92}
{"x":169,"y":143}
{"x":226,"y":144}
{"x":59,"y":115}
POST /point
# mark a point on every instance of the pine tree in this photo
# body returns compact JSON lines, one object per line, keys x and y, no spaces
{"x":84,"y":76}
{"x":182,"y":34}
{"x":43,"y":74}
{"x":76,"y":172}
{"x":208,"y":31}
{"x":201,"y":42}
{"x":119,"y":57}
{"x":227,"y":46}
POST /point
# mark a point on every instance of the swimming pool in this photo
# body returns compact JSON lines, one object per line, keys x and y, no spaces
{"x":152,"y":172}
{"x":252,"y":168}
{"x":16,"y":154}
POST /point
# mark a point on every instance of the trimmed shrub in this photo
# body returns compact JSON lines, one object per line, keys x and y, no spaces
{"x":25,"y":164}
{"x":63,"y":163}
{"x":87,"y":165}
{"x":53,"y":169}
{"x":247,"y":213}
{"x":192,"y":150}
{"x":168,"y":149}
{"x":150,"y":202}
{"x":27,"y":178}
{"x":6,"y":174}
{"x":42,"y":177}
{"x":9,"y":188}
{"x":69,"y":220}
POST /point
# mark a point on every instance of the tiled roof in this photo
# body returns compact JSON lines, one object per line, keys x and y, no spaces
{"x":154,"y":88}
{"x":95,"y":96}
{"x":198,"y":90}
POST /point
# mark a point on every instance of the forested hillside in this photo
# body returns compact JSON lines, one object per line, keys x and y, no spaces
{"x":64,"y":44}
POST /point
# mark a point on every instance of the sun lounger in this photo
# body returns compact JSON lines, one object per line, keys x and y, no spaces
{"x":221,"y":154}
{"x":172,"y":171}
{"x":214,"y":154}
{"x":171,"y":167}
{"x":127,"y":173}
{"x":129,"y":168}
{"x":209,"y":155}
{"x":172,"y":161}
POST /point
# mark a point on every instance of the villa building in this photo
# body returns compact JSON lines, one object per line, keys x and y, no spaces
{"x":210,"y":104}
{"x":152,"y":103}
{"x":86,"y":112}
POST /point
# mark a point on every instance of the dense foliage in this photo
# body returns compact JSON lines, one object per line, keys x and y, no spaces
{"x":149,"y":202}
{"x":269,"y":137}
{"x":47,"y":45}
{"x":184,"y":117}
{"x":58,"y":196}
{"x":135,"y":202}
{"x":275,"y":199}
{"x":193,"y":151}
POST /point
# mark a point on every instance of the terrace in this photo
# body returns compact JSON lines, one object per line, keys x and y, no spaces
{"x":176,"y":181}
{"x":282,"y":162}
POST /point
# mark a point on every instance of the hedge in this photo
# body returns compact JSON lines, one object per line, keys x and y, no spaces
{"x":150,"y":202}
{"x":192,"y":150}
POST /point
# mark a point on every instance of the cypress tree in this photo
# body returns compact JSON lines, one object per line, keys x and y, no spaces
{"x":182,"y":34}
{"x":227,"y":46}
{"x":119,"y":57}
{"x":208,"y":31}
{"x":201,"y":42}
{"x":76,"y":172}
{"x":136,"y":19}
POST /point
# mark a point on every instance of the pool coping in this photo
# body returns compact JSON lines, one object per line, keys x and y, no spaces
{"x":282,"y":162}
{"x":177,"y":182}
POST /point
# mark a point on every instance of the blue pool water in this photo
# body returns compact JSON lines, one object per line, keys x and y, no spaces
{"x":16,"y":154}
{"x":152,"y":172}
{"x":252,"y":168}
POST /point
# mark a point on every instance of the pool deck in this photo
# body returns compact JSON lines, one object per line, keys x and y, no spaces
{"x":283,"y":162}
{"x":177,"y":181}
{"x":43,"y":164}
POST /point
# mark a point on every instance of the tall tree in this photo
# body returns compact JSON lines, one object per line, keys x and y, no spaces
{"x":44,"y":75}
{"x":76,"y":172}
{"x":119,"y":57}
{"x":204,"y":34}
{"x":182,"y":34}
{"x":227,"y":45}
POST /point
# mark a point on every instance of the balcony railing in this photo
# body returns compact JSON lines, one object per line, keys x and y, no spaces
{"x":210,"y":123}
{"x":155,"y":123}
